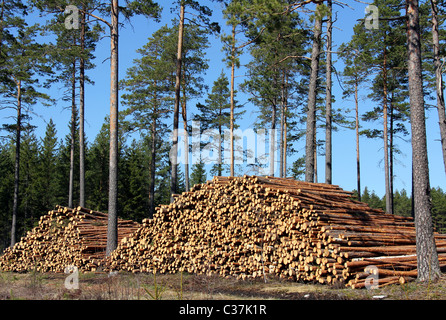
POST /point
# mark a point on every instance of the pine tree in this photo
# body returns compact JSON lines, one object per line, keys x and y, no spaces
{"x":354,"y":75}
{"x":328,"y":97}
{"x":47,"y":168}
{"x":439,"y":209}
{"x":11,"y":13}
{"x":277,"y":52}
{"x":96,"y":174}
{"x":25,"y":60}
{"x":383,"y":52}
{"x":72,"y":54}
{"x":237,"y":14}
{"x":149,"y":9}
{"x":149,"y":85}
{"x":310,"y":145}
{"x":427,"y":258}
{"x":6,"y":190}
{"x":372,"y":199}
{"x":134,"y":194}
{"x":215,"y":114}
{"x":29,"y":192}
{"x":402,"y":203}
{"x":198,"y":174}
{"x":298,"y":168}
{"x":203,"y":15}
{"x":439,"y":85}
{"x":194,"y":65}
{"x":69,"y":163}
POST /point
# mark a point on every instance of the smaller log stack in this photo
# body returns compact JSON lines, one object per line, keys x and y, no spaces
{"x":252,"y":226}
{"x":64,"y":237}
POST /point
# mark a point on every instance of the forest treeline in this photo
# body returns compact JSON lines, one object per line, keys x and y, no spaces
{"x":286,"y":53}
{"x":46,"y":165}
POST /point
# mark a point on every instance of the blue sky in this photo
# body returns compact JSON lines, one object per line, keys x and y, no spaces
{"x":344,"y":153}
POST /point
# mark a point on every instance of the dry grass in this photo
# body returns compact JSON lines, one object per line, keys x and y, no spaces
{"x":128,"y":286}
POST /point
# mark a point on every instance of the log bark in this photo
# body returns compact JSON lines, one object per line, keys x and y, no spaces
{"x":428,"y":265}
{"x":310,"y":146}
{"x":82,"y":112}
{"x":18,"y":133}
{"x":328,"y":98}
{"x":176,"y":111}
{"x":112,"y":233}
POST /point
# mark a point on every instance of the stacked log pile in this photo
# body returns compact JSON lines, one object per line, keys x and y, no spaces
{"x":254,"y":226}
{"x":64,"y":237}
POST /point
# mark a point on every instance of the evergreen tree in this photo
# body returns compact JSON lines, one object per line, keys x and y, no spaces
{"x":372,"y":199}
{"x":29,"y":192}
{"x":72,"y":55}
{"x":194,"y":65}
{"x":97,"y":173}
{"x":215,"y":114}
{"x":48,"y":168}
{"x":354,"y":74}
{"x":203,"y":17}
{"x":383,"y":51}
{"x":439,"y":209}
{"x":11,"y":21}
{"x":198,"y":174}
{"x":25,"y":61}
{"x":278,"y":47}
{"x":6,"y":191}
{"x":402,"y":203}
{"x":310,"y":143}
{"x":134,"y":193}
{"x":149,"y":85}
{"x":69,"y":163}
{"x":298,"y":168}
{"x":427,"y":258}
{"x":237,"y":15}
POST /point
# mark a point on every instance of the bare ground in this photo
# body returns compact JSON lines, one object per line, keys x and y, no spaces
{"x":128,"y":286}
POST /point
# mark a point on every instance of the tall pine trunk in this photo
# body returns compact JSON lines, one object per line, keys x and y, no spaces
{"x":231,"y":125}
{"x":315,"y":161}
{"x":285,"y":137}
{"x":112,"y":230}
{"x":152,"y":169}
{"x":328,"y":97}
{"x":310,"y":146}
{"x":15,"y":206}
{"x":439,"y":79}
{"x":386,"y":135}
{"x":176,"y":111}
{"x":272,"y":142}
{"x":185,"y":138}
{"x":220,"y":153}
{"x":81,"y":114}
{"x":427,"y":256}
{"x":282,"y":125}
{"x":391,"y":158}
{"x":73,"y":132}
{"x":358,"y":165}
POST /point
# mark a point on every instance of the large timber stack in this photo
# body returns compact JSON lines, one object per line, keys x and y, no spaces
{"x":254,"y":226}
{"x":64,"y":237}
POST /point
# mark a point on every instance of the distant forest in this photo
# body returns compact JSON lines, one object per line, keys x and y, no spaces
{"x":46,"y":166}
